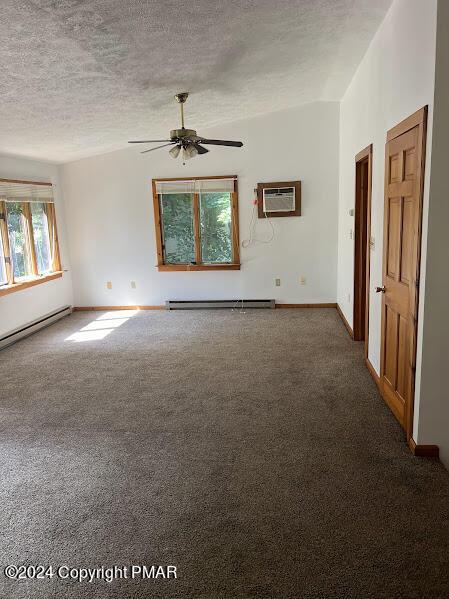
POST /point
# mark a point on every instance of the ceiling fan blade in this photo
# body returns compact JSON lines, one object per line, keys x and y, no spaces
{"x":149,"y":141}
{"x":158,"y":147}
{"x":220,"y":142}
{"x":200,"y":149}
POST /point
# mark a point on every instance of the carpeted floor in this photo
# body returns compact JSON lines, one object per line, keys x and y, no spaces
{"x":251,"y":450}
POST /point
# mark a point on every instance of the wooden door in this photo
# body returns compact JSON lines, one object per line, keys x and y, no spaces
{"x":404,"y":175}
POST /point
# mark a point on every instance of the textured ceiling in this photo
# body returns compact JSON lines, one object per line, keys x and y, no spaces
{"x":80,"y":77}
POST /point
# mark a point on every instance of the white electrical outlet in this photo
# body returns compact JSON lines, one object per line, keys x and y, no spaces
{"x":372,"y":243}
{"x":351,"y":234}
{"x":302,"y":280}
{"x":349,"y":298}
{"x":133,"y":284}
{"x":277,"y":282}
{"x":109,"y":284}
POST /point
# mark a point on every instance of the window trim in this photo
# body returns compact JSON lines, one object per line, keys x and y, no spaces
{"x":165,"y":267}
{"x":34,"y":278}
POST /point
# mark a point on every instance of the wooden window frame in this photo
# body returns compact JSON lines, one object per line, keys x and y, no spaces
{"x":34,"y":279}
{"x":199,"y":266}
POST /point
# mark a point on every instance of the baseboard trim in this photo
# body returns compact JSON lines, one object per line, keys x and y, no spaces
{"x":345,"y":322}
{"x":424,"y":451}
{"x":373,"y":373}
{"x":32,"y":327}
{"x":109,"y":308}
{"x":283,"y":306}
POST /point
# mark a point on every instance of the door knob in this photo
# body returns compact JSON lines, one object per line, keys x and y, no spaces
{"x":380,"y":289}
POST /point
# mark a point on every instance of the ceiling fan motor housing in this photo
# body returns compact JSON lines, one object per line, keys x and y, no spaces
{"x":181,"y":133}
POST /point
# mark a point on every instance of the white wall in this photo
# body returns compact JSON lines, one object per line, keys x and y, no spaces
{"x":111,"y":235}
{"x":432,"y":406}
{"x":19,"y":308}
{"x":395,"y":78}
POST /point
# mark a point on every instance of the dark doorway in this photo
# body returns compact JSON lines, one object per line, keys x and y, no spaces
{"x":362,"y":216}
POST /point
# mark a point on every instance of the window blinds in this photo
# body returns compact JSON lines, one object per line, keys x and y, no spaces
{"x":196,"y":186}
{"x":22,"y":191}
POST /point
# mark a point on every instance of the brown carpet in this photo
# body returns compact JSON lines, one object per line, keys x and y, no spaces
{"x":251,"y":450}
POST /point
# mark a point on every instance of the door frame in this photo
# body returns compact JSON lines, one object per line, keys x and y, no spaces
{"x":364,"y":156}
{"x":417,"y":119}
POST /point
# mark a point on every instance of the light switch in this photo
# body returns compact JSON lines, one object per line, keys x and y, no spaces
{"x":277,"y":282}
{"x":133,"y":284}
{"x":109,"y":284}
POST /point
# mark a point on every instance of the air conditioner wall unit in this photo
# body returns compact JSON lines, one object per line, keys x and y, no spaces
{"x":279,"y":199}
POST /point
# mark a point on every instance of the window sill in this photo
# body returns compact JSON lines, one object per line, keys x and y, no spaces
{"x":29,"y":283}
{"x":196,"y":267}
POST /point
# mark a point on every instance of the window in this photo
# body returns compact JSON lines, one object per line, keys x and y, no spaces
{"x":29,"y":252}
{"x":216,"y":227}
{"x":196,"y":223}
{"x":177,"y":228}
{"x":41,"y":234}
{"x":3,"y":275}
{"x":19,"y":240}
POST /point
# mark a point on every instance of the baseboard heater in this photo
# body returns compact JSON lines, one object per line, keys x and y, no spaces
{"x":33,"y":326}
{"x":214,"y":304}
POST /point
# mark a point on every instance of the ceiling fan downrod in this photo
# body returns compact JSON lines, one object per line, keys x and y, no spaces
{"x":181,"y":98}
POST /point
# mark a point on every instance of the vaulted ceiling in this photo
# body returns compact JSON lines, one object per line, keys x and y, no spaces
{"x":80,"y":77}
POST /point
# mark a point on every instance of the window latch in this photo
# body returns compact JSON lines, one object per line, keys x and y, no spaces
{"x":2,"y":216}
{"x":7,"y":260}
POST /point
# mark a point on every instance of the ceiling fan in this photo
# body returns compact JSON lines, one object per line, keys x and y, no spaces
{"x":186,"y":140}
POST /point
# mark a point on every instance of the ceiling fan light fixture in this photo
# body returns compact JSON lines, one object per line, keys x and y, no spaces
{"x":191,"y":151}
{"x":174,"y":152}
